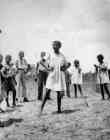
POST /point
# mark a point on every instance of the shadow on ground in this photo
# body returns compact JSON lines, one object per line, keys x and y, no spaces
{"x":10,"y":121}
{"x":7,"y":111}
{"x":67,"y":111}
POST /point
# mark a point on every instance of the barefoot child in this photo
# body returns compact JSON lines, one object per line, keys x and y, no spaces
{"x":21,"y":65}
{"x":76,"y":78}
{"x":56,"y":78}
{"x":42,"y":72}
{"x":102,"y":76}
{"x":9,"y":83}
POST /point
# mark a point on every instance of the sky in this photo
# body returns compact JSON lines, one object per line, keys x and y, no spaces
{"x":83,"y":27}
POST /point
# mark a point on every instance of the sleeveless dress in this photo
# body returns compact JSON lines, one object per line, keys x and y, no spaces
{"x":56,"y":78}
{"x":103,"y":76}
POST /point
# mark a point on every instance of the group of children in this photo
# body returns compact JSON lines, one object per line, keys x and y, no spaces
{"x":8,"y":82}
{"x":60,"y":67}
{"x":102,"y":77}
{"x":12,"y":78}
{"x":54,"y":80}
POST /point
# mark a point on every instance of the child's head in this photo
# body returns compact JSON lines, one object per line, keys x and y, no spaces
{"x":8,"y":59}
{"x":21,"y":54}
{"x":1,"y":58}
{"x":43,"y":55}
{"x":100,"y":58}
{"x":56,"y":46}
{"x":76,"y":63}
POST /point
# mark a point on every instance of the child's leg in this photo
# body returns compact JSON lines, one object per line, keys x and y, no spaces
{"x":1,"y":100}
{"x":80,"y":89}
{"x":75,"y":90}
{"x":14,"y":96}
{"x":40,"y":85}
{"x":7,"y":92}
{"x":68,"y":89}
{"x":24,"y":89}
{"x":59,"y":101}
{"x":45,"y":98}
{"x":102,"y":91}
{"x":107,"y":90}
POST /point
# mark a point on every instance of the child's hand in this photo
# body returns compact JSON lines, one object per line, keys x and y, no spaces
{"x":51,"y":69}
{"x":63,"y":68}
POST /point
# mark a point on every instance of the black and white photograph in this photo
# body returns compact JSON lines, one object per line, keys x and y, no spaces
{"x":54,"y":69}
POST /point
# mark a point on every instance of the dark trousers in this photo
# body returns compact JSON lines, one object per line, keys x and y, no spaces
{"x":68,"y":89}
{"x":77,"y":86}
{"x":59,"y":97}
{"x":41,"y":83}
{"x":13,"y":90}
{"x":104,"y":87}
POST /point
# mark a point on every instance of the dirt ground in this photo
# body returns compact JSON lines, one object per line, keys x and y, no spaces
{"x":77,"y":121}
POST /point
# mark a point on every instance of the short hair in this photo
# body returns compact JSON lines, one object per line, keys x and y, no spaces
{"x":57,"y":43}
{"x":8,"y":56}
{"x":76,"y":61}
{"x":21,"y":52}
{"x":100,"y":56}
{"x":43,"y":54}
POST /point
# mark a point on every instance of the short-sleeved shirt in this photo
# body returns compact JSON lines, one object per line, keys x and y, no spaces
{"x":21,"y":64}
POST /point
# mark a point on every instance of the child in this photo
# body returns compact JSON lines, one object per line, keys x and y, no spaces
{"x":56,"y":78}
{"x":68,"y":83}
{"x":102,"y":75}
{"x":8,"y":73}
{"x":77,"y":77}
{"x":22,"y":66}
{"x":42,"y":72}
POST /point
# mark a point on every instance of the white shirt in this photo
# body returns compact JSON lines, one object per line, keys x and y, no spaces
{"x":76,"y":75}
{"x":21,"y":64}
{"x":102,"y":76}
{"x":41,"y":67}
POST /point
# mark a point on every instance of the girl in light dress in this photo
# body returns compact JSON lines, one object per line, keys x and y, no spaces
{"x":76,"y":78}
{"x":102,"y":76}
{"x":56,"y":78}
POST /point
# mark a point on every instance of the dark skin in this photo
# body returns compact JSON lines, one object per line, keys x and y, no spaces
{"x":21,"y":55}
{"x":8,"y":61}
{"x":57,"y":51}
{"x":77,"y":65}
{"x":59,"y":93}
{"x":100,"y":60}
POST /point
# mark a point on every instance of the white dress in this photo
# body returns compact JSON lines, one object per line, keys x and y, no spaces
{"x":56,"y":78}
{"x":102,"y":76}
{"x":76,"y":77}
